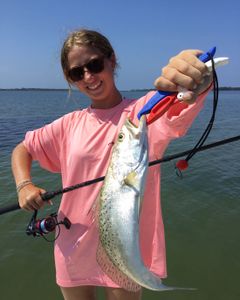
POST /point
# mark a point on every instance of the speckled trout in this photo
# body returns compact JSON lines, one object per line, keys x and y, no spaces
{"x":118,"y":211}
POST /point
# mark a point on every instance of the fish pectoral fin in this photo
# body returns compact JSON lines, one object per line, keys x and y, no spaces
{"x":131,"y":179}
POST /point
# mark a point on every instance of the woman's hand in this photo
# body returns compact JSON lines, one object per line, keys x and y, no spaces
{"x":185,"y":71}
{"x":29,"y":197}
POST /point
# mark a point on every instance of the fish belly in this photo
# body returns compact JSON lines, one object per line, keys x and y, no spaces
{"x":119,"y":236}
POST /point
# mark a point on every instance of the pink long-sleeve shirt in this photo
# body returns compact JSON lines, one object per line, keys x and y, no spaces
{"x":78,"y":145}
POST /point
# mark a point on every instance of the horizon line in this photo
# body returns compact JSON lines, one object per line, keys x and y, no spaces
{"x":74,"y":90}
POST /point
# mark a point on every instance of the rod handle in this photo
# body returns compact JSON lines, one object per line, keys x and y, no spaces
{"x":9,"y":208}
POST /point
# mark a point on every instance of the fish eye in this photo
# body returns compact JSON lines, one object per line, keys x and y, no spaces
{"x":120,"y":137}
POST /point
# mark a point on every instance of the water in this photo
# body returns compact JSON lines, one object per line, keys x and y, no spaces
{"x":201,"y":211}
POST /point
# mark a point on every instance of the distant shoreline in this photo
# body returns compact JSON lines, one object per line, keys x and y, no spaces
{"x":224,"y":88}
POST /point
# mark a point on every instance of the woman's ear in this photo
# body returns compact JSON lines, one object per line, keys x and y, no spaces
{"x":113,"y":61}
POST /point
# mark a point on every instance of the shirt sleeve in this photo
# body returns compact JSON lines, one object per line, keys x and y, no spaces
{"x":45,"y":144}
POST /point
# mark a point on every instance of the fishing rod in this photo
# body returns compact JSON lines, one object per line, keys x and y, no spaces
{"x":155,"y":107}
{"x":50,"y":195}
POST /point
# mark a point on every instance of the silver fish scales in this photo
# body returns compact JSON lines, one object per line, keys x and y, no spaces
{"x":118,"y":211}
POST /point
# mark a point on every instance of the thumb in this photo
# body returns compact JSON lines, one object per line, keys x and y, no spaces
{"x":189,"y":97}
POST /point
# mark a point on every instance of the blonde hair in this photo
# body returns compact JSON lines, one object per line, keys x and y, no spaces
{"x":88,"y":38}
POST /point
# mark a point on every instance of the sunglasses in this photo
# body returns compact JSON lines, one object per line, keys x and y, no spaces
{"x":95,"y":65}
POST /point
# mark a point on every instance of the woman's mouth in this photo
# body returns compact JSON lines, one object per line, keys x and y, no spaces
{"x":94,"y":86}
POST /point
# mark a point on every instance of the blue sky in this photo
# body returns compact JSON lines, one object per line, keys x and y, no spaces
{"x":145,"y":34}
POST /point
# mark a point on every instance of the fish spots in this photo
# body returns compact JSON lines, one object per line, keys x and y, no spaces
{"x":119,"y":201}
{"x":113,"y":271}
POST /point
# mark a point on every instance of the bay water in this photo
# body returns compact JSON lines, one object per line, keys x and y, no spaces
{"x":201,"y":211}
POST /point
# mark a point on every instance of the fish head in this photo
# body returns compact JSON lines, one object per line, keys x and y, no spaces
{"x":131,"y":146}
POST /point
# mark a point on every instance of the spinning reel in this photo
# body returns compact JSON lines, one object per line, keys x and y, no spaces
{"x":41,"y":227}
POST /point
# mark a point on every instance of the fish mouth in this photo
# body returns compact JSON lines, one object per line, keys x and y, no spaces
{"x":137,"y":130}
{"x":140,"y":134}
{"x":142,"y":124}
{"x":131,"y":123}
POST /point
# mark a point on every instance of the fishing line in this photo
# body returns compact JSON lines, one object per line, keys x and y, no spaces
{"x":183,"y":164}
{"x":49,"y":195}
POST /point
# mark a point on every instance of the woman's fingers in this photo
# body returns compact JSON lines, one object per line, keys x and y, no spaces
{"x":184,"y":69}
{"x":30,"y":198}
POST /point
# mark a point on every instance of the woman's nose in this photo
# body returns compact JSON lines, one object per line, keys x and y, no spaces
{"x":87,"y":74}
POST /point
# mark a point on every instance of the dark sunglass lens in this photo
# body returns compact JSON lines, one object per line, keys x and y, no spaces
{"x":95,"y":65}
{"x":76,"y":74}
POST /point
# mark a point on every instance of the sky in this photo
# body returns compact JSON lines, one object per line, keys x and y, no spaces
{"x":145,"y":35}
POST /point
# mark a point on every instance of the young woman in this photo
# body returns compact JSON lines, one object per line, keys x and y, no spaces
{"x":78,"y":145}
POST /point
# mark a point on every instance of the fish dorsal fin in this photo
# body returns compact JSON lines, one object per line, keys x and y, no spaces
{"x":113,"y":272}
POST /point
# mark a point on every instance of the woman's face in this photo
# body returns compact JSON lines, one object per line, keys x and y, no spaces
{"x":99,"y":87}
